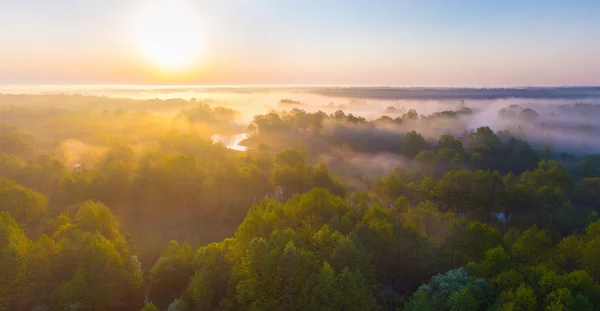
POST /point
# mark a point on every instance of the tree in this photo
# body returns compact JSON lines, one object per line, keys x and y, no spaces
{"x":171,"y":273}
{"x":495,"y":261}
{"x":270,"y":122}
{"x":291,"y":180}
{"x":560,"y":299}
{"x":411,"y":114}
{"x":485,"y":136}
{"x":339,"y":115}
{"x":178,"y":305}
{"x":463,"y":300}
{"x":256,"y":288}
{"x":457,"y":163}
{"x":533,"y":246}
{"x":11,"y":166}
{"x":454,"y":191}
{"x":401,"y":205}
{"x":589,"y":166}
{"x":26,"y":206}
{"x":42,"y":174}
{"x":428,"y":220}
{"x":523,"y":298}
{"x":547,"y":173}
{"x":518,"y":201}
{"x":73,"y":294}
{"x":43,"y":271}
{"x":487,"y":195}
{"x":479,"y":238}
{"x":316,"y":121}
{"x":150,"y":307}
{"x":412,"y":144}
{"x":208,"y":286}
{"x":322,"y":178}
{"x":289,"y":157}
{"x":105,"y":264}
{"x":14,"y":270}
{"x":568,"y":254}
{"x":426,"y":161}
{"x":15,"y":142}
{"x":519,"y":156}
{"x":389,"y":188}
{"x":444,"y":160}
{"x":95,"y":217}
{"x":201,"y":112}
{"x":448,"y":141}
{"x":321,"y":291}
{"x":293,"y":268}
{"x":587,"y":193}
{"x":453,"y":290}
{"x":356,"y":292}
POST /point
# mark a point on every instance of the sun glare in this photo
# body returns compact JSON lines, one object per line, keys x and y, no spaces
{"x":169,"y":36}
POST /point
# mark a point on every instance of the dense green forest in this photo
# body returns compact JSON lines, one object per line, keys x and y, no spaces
{"x":118,"y":204}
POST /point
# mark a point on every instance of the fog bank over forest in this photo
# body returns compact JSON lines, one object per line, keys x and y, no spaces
{"x":359,"y":128}
{"x":564,"y":117}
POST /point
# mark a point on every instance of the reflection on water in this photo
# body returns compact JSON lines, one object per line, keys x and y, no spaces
{"x":232,"y":141}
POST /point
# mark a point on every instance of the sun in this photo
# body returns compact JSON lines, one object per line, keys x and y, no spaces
{"x":169,"y":35}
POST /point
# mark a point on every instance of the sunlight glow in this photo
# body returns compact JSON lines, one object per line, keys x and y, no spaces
{"x":169,"y":35}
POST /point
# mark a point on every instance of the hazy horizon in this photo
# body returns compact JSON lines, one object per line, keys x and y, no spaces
{"x":276,"y":85}
{"x":465,"y":43}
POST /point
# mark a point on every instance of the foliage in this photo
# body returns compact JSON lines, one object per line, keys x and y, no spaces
{"x":102,"y":206}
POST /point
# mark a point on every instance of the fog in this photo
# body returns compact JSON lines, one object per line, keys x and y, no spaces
{"x":231,"y":141}
{"x":563,"y":118}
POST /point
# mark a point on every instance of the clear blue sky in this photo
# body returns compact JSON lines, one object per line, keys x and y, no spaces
{"x":378,"y":42}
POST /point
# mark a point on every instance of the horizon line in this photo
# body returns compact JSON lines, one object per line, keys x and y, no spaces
{"x":284,"y":85}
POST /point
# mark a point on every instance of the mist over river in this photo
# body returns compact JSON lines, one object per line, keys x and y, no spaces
{"x":232,"y":141}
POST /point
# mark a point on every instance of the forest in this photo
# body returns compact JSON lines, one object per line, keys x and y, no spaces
{"x":125,"y":204}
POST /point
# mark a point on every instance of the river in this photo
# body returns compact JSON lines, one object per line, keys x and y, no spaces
{"x":232,"y":141}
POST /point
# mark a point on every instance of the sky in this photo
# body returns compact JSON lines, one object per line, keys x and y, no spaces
{"x":377,"y":42}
